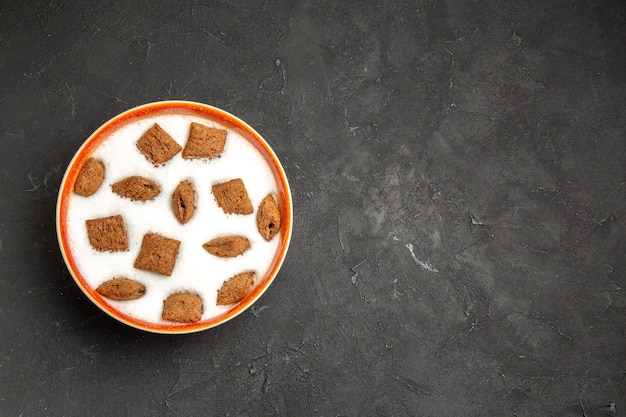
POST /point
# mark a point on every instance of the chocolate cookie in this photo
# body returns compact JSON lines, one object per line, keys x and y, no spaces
{"x":89,"y":177}
{"x":157,"y":145}
{"x":158,"y":254}
{"x":268,"y":218}
{"x":184,"y":202}
{"x":182,"y":307}
{"x":107,"y":234}
{"x":227,"y":246}
{"x":121,"y":289}
{"x":204,"y":142}
{"x":235,"y":289}
{"x":232,"y":197}
{"x":136,"y":188}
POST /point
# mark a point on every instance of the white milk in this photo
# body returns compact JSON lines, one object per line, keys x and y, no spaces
{"x":195,"y":270}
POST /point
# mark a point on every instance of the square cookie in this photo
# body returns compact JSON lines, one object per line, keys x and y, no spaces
{"x":107,"y":234}
{"x":183,"y":307}
{"x":157,"y":254}
{"x":204,"y":142}
{"x":232,"y":197}
{"x":157,"y":145}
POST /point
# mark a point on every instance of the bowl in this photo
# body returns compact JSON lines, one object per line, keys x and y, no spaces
{"x":184,"y":260}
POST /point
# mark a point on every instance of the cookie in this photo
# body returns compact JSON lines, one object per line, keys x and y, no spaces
{"x":157,"y":254}
{"x":235,"y":289}
{"x":183,"y":202}
{"x":204,"y":142}
{"x":182,"y":307}
{"x":157,"y":145}
{"x":89,"y":177}
{"x":121,"y":289}
{"x":227,"y":246}
{"x":268,"y":218}
{"x":107,"y":234}
{"x":136,"y":188}
{"x":232,"y":197}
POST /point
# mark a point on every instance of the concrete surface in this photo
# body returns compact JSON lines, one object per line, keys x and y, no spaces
{"x":459,"y":177}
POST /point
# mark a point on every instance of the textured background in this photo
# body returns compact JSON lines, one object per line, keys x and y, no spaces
{"x":459,"y":178}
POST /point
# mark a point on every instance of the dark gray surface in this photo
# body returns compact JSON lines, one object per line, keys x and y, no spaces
{"x":459,"y":180}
